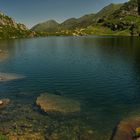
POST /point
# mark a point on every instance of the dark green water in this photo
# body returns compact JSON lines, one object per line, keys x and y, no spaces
{"x":102,"y":73}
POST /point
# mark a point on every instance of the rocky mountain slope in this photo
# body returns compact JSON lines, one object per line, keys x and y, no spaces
{"x":125,"y":16}
{"x":10,"y":29}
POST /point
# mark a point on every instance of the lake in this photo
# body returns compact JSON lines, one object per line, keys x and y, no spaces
{"x":102,"y":73}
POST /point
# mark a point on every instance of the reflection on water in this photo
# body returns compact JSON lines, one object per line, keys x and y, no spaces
{"x":102,"y":73}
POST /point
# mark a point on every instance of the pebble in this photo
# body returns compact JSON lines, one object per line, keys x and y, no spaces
{"x":1,"y":102}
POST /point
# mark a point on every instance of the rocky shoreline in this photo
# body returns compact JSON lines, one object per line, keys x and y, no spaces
{"x":128,"y":129}
{"x":31,"y":124}
{"x":57,"y":106}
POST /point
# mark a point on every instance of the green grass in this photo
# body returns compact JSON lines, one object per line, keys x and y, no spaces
{"x":101,"y":30}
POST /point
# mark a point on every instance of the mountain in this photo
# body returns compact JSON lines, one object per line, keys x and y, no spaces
{"x":129,"y":8}
{"x":76,"y":23}
{"x":114,"y":19}
{"x":48,"y":26}
{"x":81,"y":22}
{"x":69,"y":23}
{"x":10,"y":29}
{"x":125,"y":18}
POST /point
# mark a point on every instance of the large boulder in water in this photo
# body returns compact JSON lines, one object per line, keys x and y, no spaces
{"x":128,"y":129}
{"x":51,"y":103}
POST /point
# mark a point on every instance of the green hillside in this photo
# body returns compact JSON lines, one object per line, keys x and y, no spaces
{"x":123,"y":21}
{"x":81,"y":22}
{"x":125,"y":18}
{"x":75,"y":26}
{"x":114,"y":19}
{"x":48,"y":26}
{"x":107,"y":11}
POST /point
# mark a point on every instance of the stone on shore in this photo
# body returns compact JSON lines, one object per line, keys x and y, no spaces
{"x":9,"y":77}
{"x":128,"y":129}
{"x":51,"y":103}
{"x":4,"y":102}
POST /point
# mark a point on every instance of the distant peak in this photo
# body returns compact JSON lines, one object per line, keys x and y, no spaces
{"x":51,"y":21}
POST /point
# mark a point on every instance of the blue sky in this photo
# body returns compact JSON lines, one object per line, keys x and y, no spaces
{"x":31,"y":12}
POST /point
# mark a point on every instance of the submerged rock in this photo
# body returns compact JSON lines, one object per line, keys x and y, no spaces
{"x":128,"y":129}
{"x":56,"y":103}
{"x":9,"y":77}
{"x":4,"y":102}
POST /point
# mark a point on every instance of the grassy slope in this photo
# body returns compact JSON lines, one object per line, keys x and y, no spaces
{"x":48,"y":26}
{"x":107,"y":11}
{"x":119,"y":22}
{"x":89,"y":24}
{"x":100,"y":30}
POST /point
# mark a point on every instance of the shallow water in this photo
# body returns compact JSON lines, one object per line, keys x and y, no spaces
{"x":102,"y":73}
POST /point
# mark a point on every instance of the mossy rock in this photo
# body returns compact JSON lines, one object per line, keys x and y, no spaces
{"x":51,"y":103}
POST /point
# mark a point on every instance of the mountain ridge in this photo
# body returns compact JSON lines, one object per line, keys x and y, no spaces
{"x":46,"y":26}
{"x":81,"y":22}
{"x":113,"y":19}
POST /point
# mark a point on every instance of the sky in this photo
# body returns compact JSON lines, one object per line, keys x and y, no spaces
{"x":31,"y":12}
